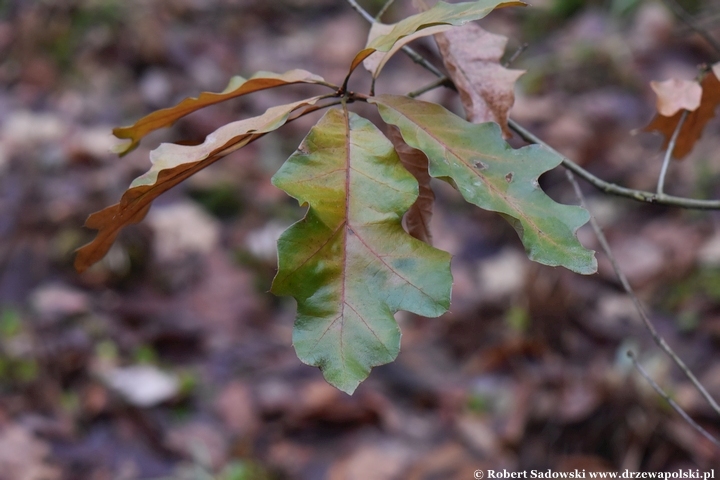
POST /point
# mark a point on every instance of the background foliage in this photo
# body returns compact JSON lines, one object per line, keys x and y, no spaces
{"x":527,"y":369}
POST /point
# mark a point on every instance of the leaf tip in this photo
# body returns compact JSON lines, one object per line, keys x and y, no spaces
{"x":345,"y":387}
{"x":588,"y":265}
{"x":128,"y":140}
{"x":82,"y":261}
{"x":123,"y":148}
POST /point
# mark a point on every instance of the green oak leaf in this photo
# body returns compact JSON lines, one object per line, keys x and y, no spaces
{"x":349,"y":263}
{"x":492,"y":175}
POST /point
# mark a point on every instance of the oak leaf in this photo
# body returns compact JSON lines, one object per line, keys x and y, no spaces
{"x":695,"y":122}
{"x":490,"y":174}
{"x":385,"y":40}
{"x":472,"y":58}
{"x":237,"y":87}
{"x":675,"y":95}
{"x":349,"y":263}
{"x":171,"y":164}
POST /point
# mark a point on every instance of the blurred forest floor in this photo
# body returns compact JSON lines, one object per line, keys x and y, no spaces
{"x":170,"y":359}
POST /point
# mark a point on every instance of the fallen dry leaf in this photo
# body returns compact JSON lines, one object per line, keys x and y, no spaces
{"x":382,"y":462}
{"x":24,"y":457}
{"x":417,"y":219}
{"x":695,"y":122}
{"x":472,"y":57}
{"x":142,"y":385}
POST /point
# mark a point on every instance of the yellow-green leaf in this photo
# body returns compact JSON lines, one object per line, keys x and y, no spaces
{"x":348,"y":263}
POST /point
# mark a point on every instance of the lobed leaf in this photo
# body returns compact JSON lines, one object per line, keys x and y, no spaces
{"x":492,"y":175}
{"x":695,"y":122}
{"x":385,"y":40}
{"x":237,"y":87}
{"x":472,"y":58}
{"x":348,"y":263}
{"x":171,"y":164}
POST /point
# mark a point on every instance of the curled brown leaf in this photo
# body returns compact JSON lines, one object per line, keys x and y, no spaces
{"x":171,"y":164}
{"x":237,"y":87}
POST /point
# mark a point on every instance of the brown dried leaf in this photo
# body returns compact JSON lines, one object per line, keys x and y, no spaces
{"x":24,"y":457}
{"x":237,"y":87}
{"x":472,"y":57}
{"x":417,"y":218}
{"x":676,"y":95}
{"x":171,"y":164}
{"x":695,"y":122}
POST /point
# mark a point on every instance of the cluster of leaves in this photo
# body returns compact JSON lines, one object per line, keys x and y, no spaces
{"x":349,"y":263}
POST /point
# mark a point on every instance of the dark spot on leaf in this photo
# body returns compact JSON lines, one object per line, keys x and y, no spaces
{"x":509,"y":177}
{"x":403,"y":263}
{"x":480,"y":165}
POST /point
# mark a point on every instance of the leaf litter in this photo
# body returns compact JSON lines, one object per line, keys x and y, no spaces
{"x":436,"y":389}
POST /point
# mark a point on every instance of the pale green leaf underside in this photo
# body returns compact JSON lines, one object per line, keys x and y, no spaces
{"x":171,"y":155}
{"x":494,"y":176}
{"x":238,"y":86}
{"x":386,"y":40}
{"x":348,"y":263}
{"x":440,"y":13}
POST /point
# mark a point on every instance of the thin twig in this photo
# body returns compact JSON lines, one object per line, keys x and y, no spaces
{"x":680,"y":12}
{"x":706,"y":22}
{"x":420,"y":60}
{"x":515,"y":55}
{"x":355,"y":6}
{"x":659,"y":340}
{"x":384,"y":8}
{"x":669,"y":152}
{"x":671,"y":402}
{"x":613,"y":189}
{"x":607,"y":187}
{"x":440,"y":82}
